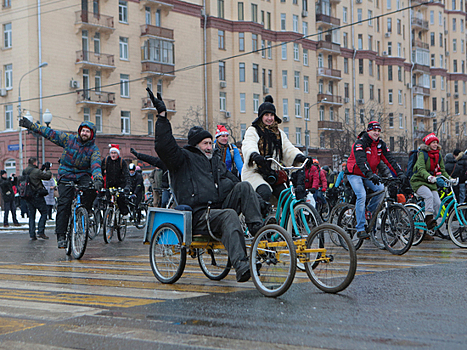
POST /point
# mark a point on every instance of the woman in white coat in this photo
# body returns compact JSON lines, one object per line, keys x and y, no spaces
{"x":265,"y":140}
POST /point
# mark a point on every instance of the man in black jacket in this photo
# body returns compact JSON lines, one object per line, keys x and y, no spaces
{"x":200,"y":179}
{"x":8,"y":196}
{"x":136,"y":183}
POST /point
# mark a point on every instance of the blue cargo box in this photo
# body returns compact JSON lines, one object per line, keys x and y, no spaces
{"x":159,"y":216}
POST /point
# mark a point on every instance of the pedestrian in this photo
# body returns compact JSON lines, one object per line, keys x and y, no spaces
{"x":228,"y":151}
{"x":37,"y":201}
{"x":8,"y":195}
{"x":80,"y":159}
{"x":50,"y":185}
{"x":198,"y":178}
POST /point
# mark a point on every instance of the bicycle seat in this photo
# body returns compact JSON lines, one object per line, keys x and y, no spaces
{"x":183,"y":207}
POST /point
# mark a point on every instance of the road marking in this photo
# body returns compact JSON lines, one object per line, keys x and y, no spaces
{"x":10,"y":325}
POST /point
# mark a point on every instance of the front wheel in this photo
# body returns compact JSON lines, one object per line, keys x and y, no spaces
{"x":418,"y":217}
{"x":109,"y":218}
{"x":397,"y":229}
{"x":95,"y":218}
{"x":79,"y":236}
{"x":457,"y":226}
{"x":214,"y":263}
{"x":273,"y":260}
{"x":348,"y":221}
{"x":141,"y":215}
{"x":68,"y":235}
{"x":121,"y":226}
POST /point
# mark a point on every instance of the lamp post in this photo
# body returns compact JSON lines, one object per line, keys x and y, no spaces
{"x":47,"y":118}
{"x":44,"y":64}
{"x":307,"y":139}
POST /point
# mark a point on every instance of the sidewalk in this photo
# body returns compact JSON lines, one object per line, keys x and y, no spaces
{"x":23,"y":221}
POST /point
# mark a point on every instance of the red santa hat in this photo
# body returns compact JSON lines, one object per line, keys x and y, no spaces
{"x":221,"y":130}
{"x":114,"y":147}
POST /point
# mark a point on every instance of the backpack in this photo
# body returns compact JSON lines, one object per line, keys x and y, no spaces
{"x":413,"y":156}
{"x":25,"y":189}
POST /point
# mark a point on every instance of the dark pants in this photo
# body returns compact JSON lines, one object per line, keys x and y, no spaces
{"x":265,"y":192}
{"x":9,"y":206}
{"x":37,"y":203}
{"x":24,"y":207}
{"x":122,"y":204}
{"x":165,"y":197}
{"x":49,"y":211}
{"x":65,"y":199}
{"x":242,"y":199}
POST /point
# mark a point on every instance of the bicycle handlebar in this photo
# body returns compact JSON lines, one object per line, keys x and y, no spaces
{"x":288,"y":167}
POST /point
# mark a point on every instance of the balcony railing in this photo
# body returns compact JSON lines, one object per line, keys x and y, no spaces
{"x":421,"y":68}
{"x":420,"y":23}
{"x":332,"y":99}
{"x":91,"y":97}
{"x":147,"y":104}
{"x":422,"y":113}
{"x":420,"y":44}
{"x":147,"y":29}
{"x":95,"y":59}
{"x":329,"y":72}
{"x":158,"y":68}
{"x":329,"y":46}
{"x":420,"y":90}
{"x":327,"y":19}
{"x":329,"y":125}
{"x":91,"y":19}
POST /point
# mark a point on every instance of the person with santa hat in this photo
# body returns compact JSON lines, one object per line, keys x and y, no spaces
{"x":228,"y":151}
{"x":117,"y":175}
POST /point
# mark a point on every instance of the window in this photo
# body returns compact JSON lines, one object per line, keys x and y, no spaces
{"x":305,"y":28}
{"x":320,"y":86}
{"x":306,"y":111}
{"x":9,"y":117}
{"x":125,"y":122}
{"x":97,"y":82}
{"x":150,"y":124}
{"x":7,"y":35}
{"x":389,"y":48}
{"x":158,"y":18}
{"x":389,"y":25}
{"x":99,"y":120}
{"x":263,"y":48}
{"x":370,"y":18}
{"x":254,"y":42}
{"x":255,"y":73}
{"x":362,"y":116}
{"x":454,"y":45}
{"x":359,"y":16}
{"x":298,"y":108}
{"x":433,"y":82}
{"x":432,"y":61}
{"x":147,"y":15}
{"x":242,"y":103}
{"x":6,"y":3}
{"x":86,"y":114}
{"x":8,"y":69}
{"x":241,"y":11}
{"x":331,"y":113}
{"x":222,"y":101}
{"x":432,"y":17}
{"x":433,"y":104}
{"x":305,"y":57}
{"x":255,"y":103}
{"x":440,"y":40}
{"x":220,"y":8}
{"x":254,"y":13}
{"x":455,"y":65}
{"x":390,"y":96}
{"x":454,"y":25}
{"x":360,"y":41}
{"x":285,"y":107}
{"x":221,"y":39}
{"x":124,"y":85}
{"x":241,"y":71}
{"x":123,"y":11}
{"x":270,"y":78}
{"x":389,"y":72}
{"x":345,"y":39}
{"x":370,"y":67}
{"x":241,"y":41}
{"x":388,"y":4}
{"x":242,"y":130}
{"x":399,"y":26}
{"x":296,"y":54}
{"x":399,"y":97}
{"x":372,"y":92}
{"x":97,"y":43}
{"x":378,"y":72}
{"x":346,"y":65}
{"x":347,"y":116}
{"x":432,"y":39}
{"x":284,"y":79}
{"x":284,"y":51}
{"x":346,"y":90}
{"x":283,"y":28}
{"x":222,"y":70}
{"x":295,"y":23}
{"x":305,"y":84}
{"x":321,"y":113}
{"x":360,"y":66}
{"x":370,"y":42}
{"x":399,"y":49}
{"x":159,"y":51}
{"x":123,"y":48}
{"x":296,"y":80}
{"x":399,"y":73}
{"x":270,"y":50}
{"x":360,"y":92}
{"x":391,"y":120}
{"x":344,"y":14}
{"x":298,"y":136}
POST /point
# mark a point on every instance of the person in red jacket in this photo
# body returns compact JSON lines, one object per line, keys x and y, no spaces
{"x":367,"y":152}
{"x":315,"y":181}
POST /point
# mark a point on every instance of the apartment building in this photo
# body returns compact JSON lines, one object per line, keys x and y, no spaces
{"x":331,"y":66}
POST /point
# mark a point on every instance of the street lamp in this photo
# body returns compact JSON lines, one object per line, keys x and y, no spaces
{"x":47,"y":119}
{"x":307,"y":139}
{"x":43,"y":64}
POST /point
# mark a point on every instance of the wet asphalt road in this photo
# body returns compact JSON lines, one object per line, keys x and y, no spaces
{"x":110,"y":300}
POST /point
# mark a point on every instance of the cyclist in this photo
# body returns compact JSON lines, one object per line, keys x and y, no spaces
{"x":316,"y":181}
{"x":367,"y":152}
{"x":136,"y":184}
{"x":79,"y":161}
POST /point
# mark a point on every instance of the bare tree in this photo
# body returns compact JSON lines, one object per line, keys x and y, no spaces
{"x":194,"y":117}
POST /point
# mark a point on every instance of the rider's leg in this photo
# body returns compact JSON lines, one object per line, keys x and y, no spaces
{"x":374,"y":201}
{"x":63,"y":211}
{"x":265,"y":192}
{"x":356,"y":182}
{"x":436,"y":202}
{"x":427,"y":196}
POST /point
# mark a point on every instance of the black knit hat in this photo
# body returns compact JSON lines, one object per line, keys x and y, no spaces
{"x":267,"y":107}
{"x":2,"y":172}
{"x":197,"y":134}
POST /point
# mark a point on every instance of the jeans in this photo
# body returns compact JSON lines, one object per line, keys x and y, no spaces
{"x":462,"y":192}
{"x":37,"y":203}
{"x":319,"y":197}
{"x":358,"y":184}
{"x":165,"y":197}
{"x":9,"y":206}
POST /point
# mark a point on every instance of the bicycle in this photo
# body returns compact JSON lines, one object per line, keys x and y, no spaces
{"x":78,"y":224}
{"x":397,"y":226}
{"x":138,"y":213}
{"x":113,"y":220}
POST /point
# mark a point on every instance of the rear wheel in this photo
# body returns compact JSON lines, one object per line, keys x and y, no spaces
{"x":214,"y":263}
{"x":121,"y":226}
{"x":94,"y":222}
{"x":109,"y":218}
{"x":141,"y":215}
{"x":167,"y":255}
{"x":397,"y":229}
{"x":348,"y":221}
{"x":68,"y":236}
{"x":457,"y":226}
{"x":418,"y":217}
{"x":79,"y":236}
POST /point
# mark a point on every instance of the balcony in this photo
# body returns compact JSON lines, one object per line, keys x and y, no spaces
{"x":329,"y":73}
{"x":421,"y":68}
{"x":420,"y":134}
{"x":329,"y":125}
{"x":421,"y":113}
{"x":90,"y":20}
{"x":328,"y":45}
{"x":88,"y":59}
{"x":160,"y":32}
{"x":157,"y":4}
{"x":147,"y":105}
{"x":327,"y":20}
{"x":155,"y":68}
{"x":94,"y":98}
{"x":330,"y":99}
{"x":421,"y":90}
{"x":419,"y":23}
{"x":420,"y":44}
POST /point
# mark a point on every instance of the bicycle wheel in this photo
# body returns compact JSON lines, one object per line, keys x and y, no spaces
{"x":375,"y":234}
{"x":167,"y":255}
{"x":79,"y":236}
{"x":68,"y":235}
{"x":214,"y":263}
{"x":333,"y":219}
{"x":273,"y":260}
{"x":331,"y":267}
{"x":324,"y":211}
{"x":121,"y":226}
{"x":141,"y":215}
{"x":348,"y":221}
{"x":306,"y":218}
{"x":397,"y":229}
{"x":108,"y":224}
{"x":458,"y":229}
{"x":418,"y":217}
{"x":94,"y":223}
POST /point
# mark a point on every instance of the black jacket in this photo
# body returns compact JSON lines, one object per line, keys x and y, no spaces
{"x":462,"y":163}
{"x":36,"y":176}
{"x":116,"y":173}
{"x":453,"y":168}
{"x":7,"y":189}
{"x":157,"y":162}
{"x":136,"y":183}
{"x":195,"y":179}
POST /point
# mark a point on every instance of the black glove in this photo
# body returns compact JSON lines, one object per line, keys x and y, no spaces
{"x":313,"y":190}
{"x":43,"y":167}
{"x":25,"y":123}
{"x":47,"y":165}
{"x":375,"y":179}
{"x":133,"y":151}
{"x":403,"y":178}
{"x":309,"y":163}
{"x":157,"y":102}
{"x":98,"y":184}
{"x":300,"y":158}
{"x":259,"y":160}
{"x":126,"y":190}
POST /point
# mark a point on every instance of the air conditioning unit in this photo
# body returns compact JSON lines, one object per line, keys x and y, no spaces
{"x":228,"y":114}
{"x":74,"y":84}
{"x":265,"y":90}
{"x":409,"y":86}
{"x":433,"y":114}
{"x":3,"y":92}
{"x":304,"y":13}
{"x":223,"y":84}
{"x":285,"y":118}
{"x":346,"y":100}
{"x":385,"y":53}
{"x":387,"y":35}
{"x":361,"y":101}
{"x":447,"y":53}
{"x":448,"y":94}
{"x":456,"y":95}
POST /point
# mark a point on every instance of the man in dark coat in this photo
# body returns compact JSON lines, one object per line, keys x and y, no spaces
{"x":461,"y":159}
{"x":200,"y":179}
{"x":8,"y":196}
{"x":136,"y":183}
{"x":454,"y":169}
